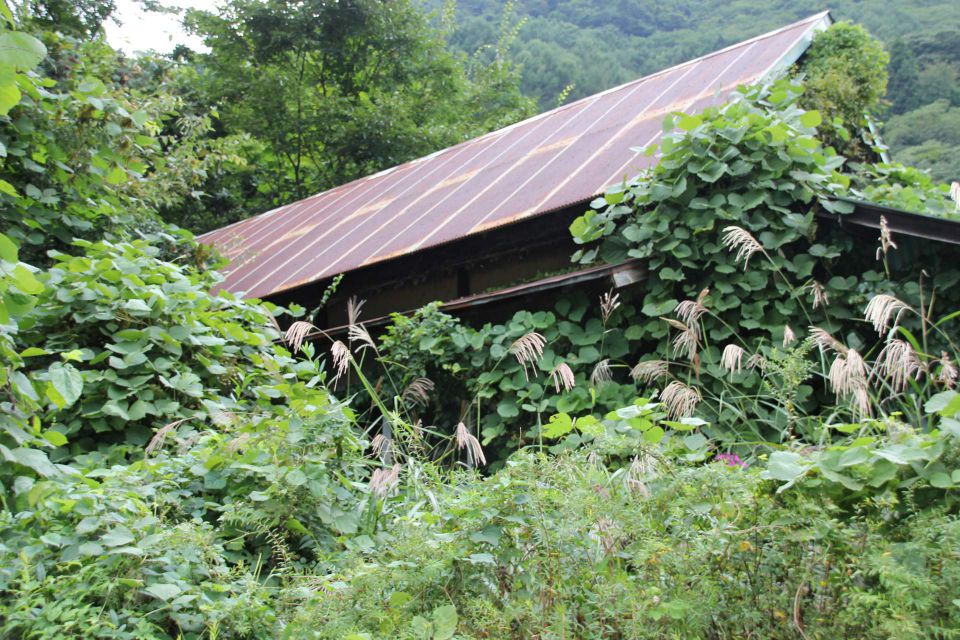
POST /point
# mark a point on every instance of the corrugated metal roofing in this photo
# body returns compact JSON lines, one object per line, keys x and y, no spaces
{"x":558,"y":158}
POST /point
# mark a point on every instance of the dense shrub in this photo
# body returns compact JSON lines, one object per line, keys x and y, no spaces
{"x":568,"y":547}
{"x":149,"y":341}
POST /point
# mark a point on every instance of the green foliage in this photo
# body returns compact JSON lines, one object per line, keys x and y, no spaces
{"x":73,"y":149}
{"x":751,"y":176}
{"x":169,"y":469}
{"x":335,"y":91}
{"x":78,"y":18}
{"x":846,"y":73}
{"x":903,"y":187}
{"x":478,"y":379}
{"x":148,"y":340}
{"x":251,"y":475}
{"x":928,"y":137}
{"x":576,"y":547}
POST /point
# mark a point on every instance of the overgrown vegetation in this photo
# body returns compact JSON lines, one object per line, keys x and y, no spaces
{"x":174,"y":465}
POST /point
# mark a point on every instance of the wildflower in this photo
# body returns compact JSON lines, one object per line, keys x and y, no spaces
{"x":731,"y":460}
{"x":608,"y":304}
{"x":528,"y":350}
{"x":563,"y":377}
{"x":739,"y":239}
{"x":881,"y":309}
{"x":602,"y":373}
{"x":383,"y":480}
{"x":466,"y":440}
{"x":680,"y":399}
{"x":732,"y":358}
{"x":649,"y":370}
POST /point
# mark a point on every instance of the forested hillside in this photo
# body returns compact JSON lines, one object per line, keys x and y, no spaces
{"x":596,"y":44}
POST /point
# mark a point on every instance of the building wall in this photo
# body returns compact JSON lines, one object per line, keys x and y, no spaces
{"x":493,"y":260}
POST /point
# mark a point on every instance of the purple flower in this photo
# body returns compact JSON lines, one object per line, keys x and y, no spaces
{"x":732,"y":460}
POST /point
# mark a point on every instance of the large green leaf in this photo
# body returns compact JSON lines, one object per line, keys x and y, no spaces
{"x":66,"y":384}
{"x":785,"y":465}
{"x":36,"y":460}
{"x":444,"y":622}
{"x":20,"y":50}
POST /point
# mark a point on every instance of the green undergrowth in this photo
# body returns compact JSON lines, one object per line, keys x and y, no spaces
{"x":574,"y":547}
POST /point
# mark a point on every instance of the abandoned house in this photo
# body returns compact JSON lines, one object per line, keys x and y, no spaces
{"x":483,"y":226}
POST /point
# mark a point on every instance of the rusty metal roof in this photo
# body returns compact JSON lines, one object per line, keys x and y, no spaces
{"x":558,"y":158}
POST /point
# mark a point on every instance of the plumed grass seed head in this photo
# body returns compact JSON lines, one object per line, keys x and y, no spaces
{"x":884,"y":311}
{"x":601,"y":374}
{"x":679,"y":399}
{"x":563,"y":377}
{"x":649,"y":371}
{"x":340,"y":355}
{"x":899,"y":363}
{"x":528,"y":349}
{"x":742,"y":241}
{"x":732,"y":358}
{"x":467,"y":441}
{"x":297,"y":333}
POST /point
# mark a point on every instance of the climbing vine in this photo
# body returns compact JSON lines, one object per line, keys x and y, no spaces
{"x":750,"y":177}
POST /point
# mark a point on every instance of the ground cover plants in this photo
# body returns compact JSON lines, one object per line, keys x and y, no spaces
{"x":760,"y":442}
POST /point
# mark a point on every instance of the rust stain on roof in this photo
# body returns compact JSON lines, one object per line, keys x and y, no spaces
{"x":296,"y":233}
{"x":370,"y":208}
{"x":546,"y":148}
{"x":561,"y":157}
{"x":449,"y":182}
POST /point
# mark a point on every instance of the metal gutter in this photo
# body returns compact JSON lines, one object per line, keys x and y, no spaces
{"x":867,"y":214}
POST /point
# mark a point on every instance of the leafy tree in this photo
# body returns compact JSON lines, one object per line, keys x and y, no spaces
{"x":846,"y":73}
{"x":77,"y":18}
{"x":904,"y":71}
{"x":335,"y":91}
